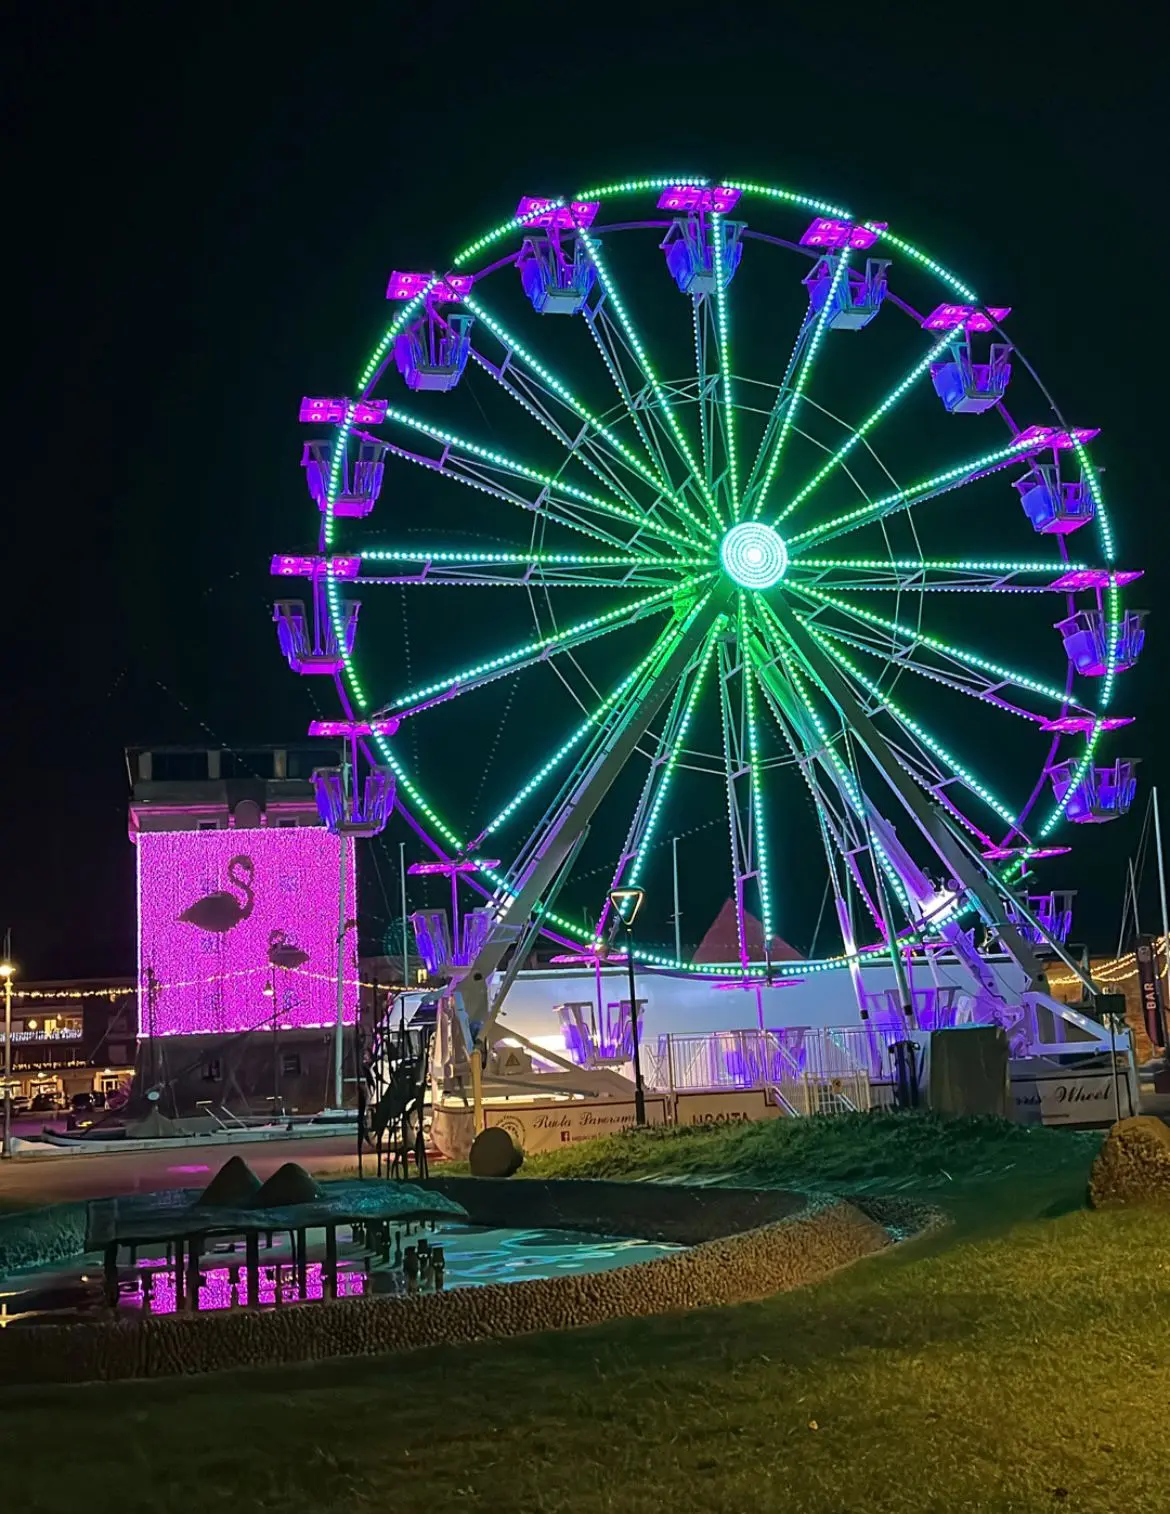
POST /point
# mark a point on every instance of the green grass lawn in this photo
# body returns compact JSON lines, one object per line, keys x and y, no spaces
{"x":1019,"y":1361}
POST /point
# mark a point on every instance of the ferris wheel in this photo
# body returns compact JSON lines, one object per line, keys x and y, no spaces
{"x":729,"y":512}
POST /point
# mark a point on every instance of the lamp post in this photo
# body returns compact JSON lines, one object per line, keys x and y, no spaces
{"x":7,"y":972}
{"x":270,"y":993}
{"x":626,"y":903}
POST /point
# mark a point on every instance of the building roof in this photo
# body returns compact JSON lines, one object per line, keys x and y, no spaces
{"x":721,"y":943}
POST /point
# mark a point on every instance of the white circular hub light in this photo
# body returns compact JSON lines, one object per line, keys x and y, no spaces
{"x":753,"y":555}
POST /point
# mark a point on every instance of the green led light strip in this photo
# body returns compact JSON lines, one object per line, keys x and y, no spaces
{"x":956,"y":477}
{"x":757,"y":795}
{"x":936,"y":644}
{"x":939,"y":565}
{"x":802,"y":377}
{"x":723,"y":338}
{"x":593,"y":251}
{"x":931,"y":743}
{"x":591,"y":720}
{"x":530,"y":559}
{"x":672,"y":760}
{"x":546,"y":480}
{"x":609,"y":619}
{"x":867,"y":425}
{"x":652,"y":476}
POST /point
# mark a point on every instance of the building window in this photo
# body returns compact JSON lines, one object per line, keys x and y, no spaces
{"x":207,"y":825}
{"x":286,"y":822}
{"x":290,"y":1064}
{"x":213,"y":1070}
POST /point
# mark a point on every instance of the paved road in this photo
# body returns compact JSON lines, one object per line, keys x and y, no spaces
{"x":45,"y":1180}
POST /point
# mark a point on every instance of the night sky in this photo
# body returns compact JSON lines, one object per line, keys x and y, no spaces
{"x":203,"y":213}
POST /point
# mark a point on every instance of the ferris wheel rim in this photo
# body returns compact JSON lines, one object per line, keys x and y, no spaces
{"x":346,"y":681}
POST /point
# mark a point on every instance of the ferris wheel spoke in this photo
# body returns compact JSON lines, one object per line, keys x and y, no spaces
{"x":737,"y":773}
{"x":722,"y":324}
{"x":918,"y":896}
{"x":668,"y":750}
{"x":594,"y":444}
{"x":565,"y":513}
{"x":839,"y":806}
{"x":607,"y":709}
{"x":601,"y":327}
{"x":485,"y":466}
{"x":902,"y":499}
{"x":703,"y":394}
{"x":539,"y":650}
{"x":553,"y":570}
{"x":962,"y":680}
{"x":515,"y":350}
{"x":899,"y":390}
{"x":758,"y":832}
{"x":920,"y":736}
{"x":955,"y":575}
{"x":782,"y":402}
{"x":803,"y":374}
{"x":935,"y":644}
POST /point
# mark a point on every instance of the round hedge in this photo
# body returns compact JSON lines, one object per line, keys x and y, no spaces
{"x":1133,"y":1165}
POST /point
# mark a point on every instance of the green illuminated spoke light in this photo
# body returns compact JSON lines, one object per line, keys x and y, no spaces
{"x":653,"y":562}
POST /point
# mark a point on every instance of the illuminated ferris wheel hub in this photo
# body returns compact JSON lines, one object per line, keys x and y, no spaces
{"x":753,"y":555}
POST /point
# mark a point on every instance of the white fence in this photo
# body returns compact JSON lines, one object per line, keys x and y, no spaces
{"x":803,"y":1071}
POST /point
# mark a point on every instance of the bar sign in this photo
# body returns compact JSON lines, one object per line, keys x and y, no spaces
{"x":1150,"y":991}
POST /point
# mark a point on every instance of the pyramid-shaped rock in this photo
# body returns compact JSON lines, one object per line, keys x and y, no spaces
{"x":232,"y":1187}
{"x":289,"y":1184}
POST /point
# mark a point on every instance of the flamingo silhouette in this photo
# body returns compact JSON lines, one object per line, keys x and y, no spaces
{"x":222,"y":911}
{"x":284,"y":952}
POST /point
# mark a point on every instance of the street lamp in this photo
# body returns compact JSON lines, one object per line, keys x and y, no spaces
{"x":7,"y":972}
{"x":626,"y":904}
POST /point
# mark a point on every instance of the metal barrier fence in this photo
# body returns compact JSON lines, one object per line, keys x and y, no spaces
{"x":805,"y":1071}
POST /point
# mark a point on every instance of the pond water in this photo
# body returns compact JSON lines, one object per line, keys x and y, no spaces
{"x":474,"y":1256}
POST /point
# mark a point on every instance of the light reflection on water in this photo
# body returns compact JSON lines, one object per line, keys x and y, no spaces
{"x":476,"y":1256}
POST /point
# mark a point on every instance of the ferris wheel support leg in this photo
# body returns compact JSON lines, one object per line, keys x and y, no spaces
{"x":547,"y":855}
{"x":930,"y":820}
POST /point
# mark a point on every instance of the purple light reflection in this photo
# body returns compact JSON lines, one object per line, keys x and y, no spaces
{"x":227,"y":1287}
{"x":1082,"y":725}
{"x":312,"y":567}
{"x":1092,"y":578}
{"x":947,"y":317}
{"x":331,"y":410}
{"x":1049,"y":436}
{"x":467,"y":865}
{"x":353,"y":728}
{"x":827,"y":232}
{"x":716,"y":197}
{"x":405,"y":286}
{"x":535,"y":211}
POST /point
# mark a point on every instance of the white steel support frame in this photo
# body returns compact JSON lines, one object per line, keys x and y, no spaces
{"x":549,"y":849}
{"x":733,"y":676}
{"x":989,"y":893}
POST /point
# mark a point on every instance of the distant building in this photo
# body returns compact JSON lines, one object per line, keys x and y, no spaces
{"x":242,"y":897}
{"x":74,"y":1037}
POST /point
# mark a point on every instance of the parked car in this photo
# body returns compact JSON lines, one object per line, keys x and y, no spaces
{"x":44,"y":1103}
{"x":20,"y":1103}
{"x":81,"y":1101}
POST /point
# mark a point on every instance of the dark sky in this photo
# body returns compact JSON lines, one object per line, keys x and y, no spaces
{"x":203,"y":205}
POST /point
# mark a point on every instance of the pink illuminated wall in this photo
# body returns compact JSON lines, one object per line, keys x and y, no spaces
{"x":224,"y":913}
